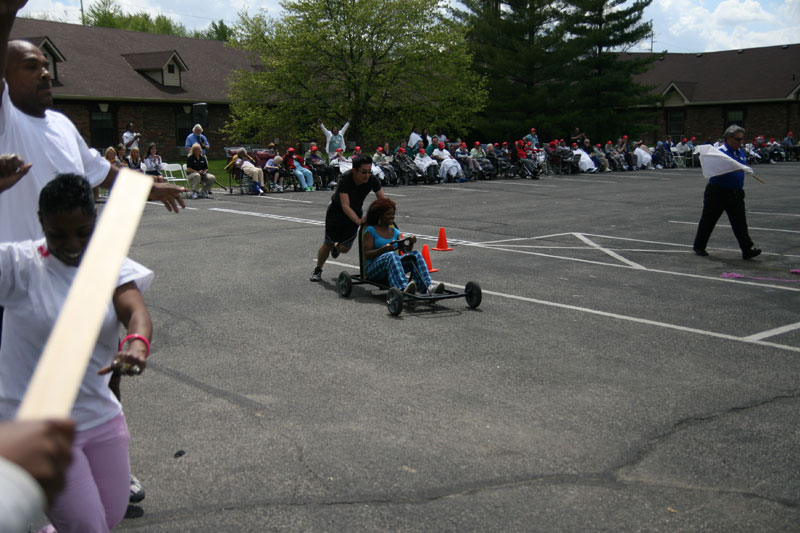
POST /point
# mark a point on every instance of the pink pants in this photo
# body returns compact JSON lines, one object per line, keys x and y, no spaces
{"x":97,"y":489}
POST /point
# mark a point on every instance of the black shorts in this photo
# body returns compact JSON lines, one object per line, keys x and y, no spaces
{"x":339,"y":228}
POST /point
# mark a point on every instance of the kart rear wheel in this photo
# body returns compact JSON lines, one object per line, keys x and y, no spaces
{"x":394,"y":301}
{"x":344,"y":284}
{"x":474,"y":294}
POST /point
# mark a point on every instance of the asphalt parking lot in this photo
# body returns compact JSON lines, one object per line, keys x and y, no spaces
{"x":610,"y":380}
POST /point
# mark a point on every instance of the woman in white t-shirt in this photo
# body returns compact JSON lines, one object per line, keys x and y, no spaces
{"x":35,"y":277}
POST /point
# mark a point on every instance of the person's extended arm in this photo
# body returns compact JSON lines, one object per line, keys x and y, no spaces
{"x":344,"y":199}
{"x":131,"y":311}
{"x":167,"y":193}
{"x":344,"y":128}
{"x":8,"y":14}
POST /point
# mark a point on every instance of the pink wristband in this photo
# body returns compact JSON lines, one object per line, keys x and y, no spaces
{"x":136,"y":336}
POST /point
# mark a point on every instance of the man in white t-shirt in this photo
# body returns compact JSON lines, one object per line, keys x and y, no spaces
{"x":46,"y":139}
{"x":130,"y":138}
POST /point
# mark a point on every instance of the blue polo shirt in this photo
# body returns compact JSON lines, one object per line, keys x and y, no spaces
{"x":732,"y":180}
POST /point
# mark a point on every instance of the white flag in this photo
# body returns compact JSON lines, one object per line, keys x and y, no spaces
{"x":715,"y":162}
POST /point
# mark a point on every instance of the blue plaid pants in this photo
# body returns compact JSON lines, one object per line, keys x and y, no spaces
{"x":394,"y":267}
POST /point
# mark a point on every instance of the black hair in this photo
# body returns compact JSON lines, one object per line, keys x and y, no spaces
{"x":378,"y":208}
{"x":360,"y":160}
{"x":66,"y":193}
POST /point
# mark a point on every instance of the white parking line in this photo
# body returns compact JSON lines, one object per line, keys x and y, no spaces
{"x":587,"y":181}
{"x":775,"y":214}
{"x":748,"y":227}
{"x":617,"y":316}
{"x":267,"y":215}
{"x":607,"y":251}
{"x":271,"y":197}
{"x":773,"y":332}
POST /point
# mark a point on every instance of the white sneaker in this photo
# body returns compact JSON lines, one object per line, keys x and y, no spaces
{"x":436,"y":288}
{"x":137,"y":492}
{"x":411,"y":288}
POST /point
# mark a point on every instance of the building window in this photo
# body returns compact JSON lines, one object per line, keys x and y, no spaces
{"x":171,"y":68}
{"x":102,"y":130}
{"x":675,"y":125}
{"x":183,"y":126}
{"x":734,"y":116}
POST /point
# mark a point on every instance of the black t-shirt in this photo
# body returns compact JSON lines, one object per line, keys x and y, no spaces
{"x":196,"y":164}
{"x":357,"y":193}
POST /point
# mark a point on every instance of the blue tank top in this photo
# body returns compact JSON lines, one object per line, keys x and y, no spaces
{"x":380,"y":241}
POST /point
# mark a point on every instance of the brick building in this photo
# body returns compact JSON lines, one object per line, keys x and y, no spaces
{"x":702,"y":94}
{"x":104,"y":78}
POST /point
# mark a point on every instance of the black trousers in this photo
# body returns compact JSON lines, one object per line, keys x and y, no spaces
{"x":715,"y":201}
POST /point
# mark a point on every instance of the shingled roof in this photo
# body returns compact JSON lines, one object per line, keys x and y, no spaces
{"x":102,"y":63}
{"x":770,"y":73}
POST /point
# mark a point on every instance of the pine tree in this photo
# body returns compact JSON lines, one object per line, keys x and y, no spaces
{"x":602,"y":96}
{"x":515,"y":45}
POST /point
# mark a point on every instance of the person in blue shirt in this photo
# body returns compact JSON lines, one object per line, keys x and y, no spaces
{"x":197,"y":137}
{"x":725,"y":193}
{"x":383,"y":263}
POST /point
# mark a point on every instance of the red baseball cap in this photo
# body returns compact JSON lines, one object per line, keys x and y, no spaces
{"x":496,"y":144}
{"x":313,"y":147}
{"x":608,"y":142}
{"x":463,"y":145}
{"x":533,"y":129}
{"x":624,"y":136}
{"x":380,"y":148}
{"x":339,"y":150}
{"x":401,"y":150}
{"x":422,"y":150}
{"x":290,"y":149}
{"x":441,"y":145}
{"x":477,"y":143}
{"x":574,"y":145}
{"x":357,"y":148}
{"x":505,"y":143}
{"x":694,"y":138}
{"x":598,"y":145}
{"x":683,"y":140}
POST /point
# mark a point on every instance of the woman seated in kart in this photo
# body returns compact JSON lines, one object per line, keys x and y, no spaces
{"x":383,"y":263}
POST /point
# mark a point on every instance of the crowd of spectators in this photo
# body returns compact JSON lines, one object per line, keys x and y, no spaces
{"x":426,"y":158}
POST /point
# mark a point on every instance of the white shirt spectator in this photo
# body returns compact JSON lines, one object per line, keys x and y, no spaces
{"x":129,"y":137}
{"x":54,"y":146}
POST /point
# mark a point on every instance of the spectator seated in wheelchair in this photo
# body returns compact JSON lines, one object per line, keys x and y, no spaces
{"x":449,"y":168}
{"x":427,"y":165}
{"x":381,"y":246}
{"x":384,"y":162}
{"x":407,"y":171}
{"x":323,"y":173}
{"x":471,"y":167}
{"x":297,"y":165}
{"x":274,"y":173}
{"x":243,"y":162}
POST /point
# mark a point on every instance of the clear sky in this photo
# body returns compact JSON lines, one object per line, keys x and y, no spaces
{"x":680,"y":25}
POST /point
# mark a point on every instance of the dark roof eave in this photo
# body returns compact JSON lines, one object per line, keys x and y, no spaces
{"x":85,"y":98}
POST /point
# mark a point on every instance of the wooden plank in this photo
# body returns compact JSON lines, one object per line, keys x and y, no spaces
{"x":58,"y":376}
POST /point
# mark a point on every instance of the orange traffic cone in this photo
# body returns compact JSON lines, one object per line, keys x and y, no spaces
{"x":441,"y":244}
{"x":426,"y":255}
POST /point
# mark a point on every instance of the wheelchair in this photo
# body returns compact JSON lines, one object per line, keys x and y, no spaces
{"x":396,"y":298}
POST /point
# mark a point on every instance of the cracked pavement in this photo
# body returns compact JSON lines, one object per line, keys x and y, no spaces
{"x":299,"y":410}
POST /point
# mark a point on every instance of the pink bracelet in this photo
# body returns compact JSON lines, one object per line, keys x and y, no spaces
{"x":136,"y":336}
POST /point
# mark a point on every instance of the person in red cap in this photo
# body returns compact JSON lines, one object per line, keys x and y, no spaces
{"x":345,"y":211}
{"x":297,"y":165}
{"x":626,"y":153}
{"x":315,"y":161}
{"x":615,"y":160}
{"x":472,"y":168}
{"x":532,"y":138}
{"x":428,"y":166}
{"x":383,"y":161}
{"x":449,"y":168}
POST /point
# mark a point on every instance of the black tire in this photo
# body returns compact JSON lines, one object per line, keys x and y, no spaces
{"x":344,"y":284}
{"x":474,"y":294}
{"x":394,"y":301}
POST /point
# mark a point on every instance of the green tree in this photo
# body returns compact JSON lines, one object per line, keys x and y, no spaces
{"x":516,"y":46}
{"x":383,"y":64}
{"x":602,"y":96}
{"x":109,"y":14}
